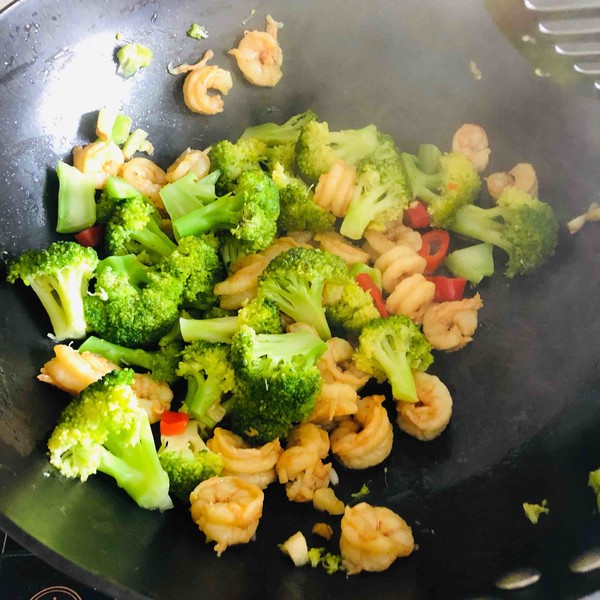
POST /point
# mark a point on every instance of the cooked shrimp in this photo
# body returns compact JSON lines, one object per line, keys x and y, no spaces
{"x":71,"y":371}
{"x":100,"y":160}
{"x":242,"y":284}
{"x":426,"y":419}
{"x":259,"y":56}
{"x":337,"y":244}
{"x":522,"y":176}
{"x":365,"y":439}
{"x":372,"y":538}
{"x":451,"y":325}
{"x":336,"y":364}
{"x":498,"y":182}
{"x":472,"y":141}
{"x":398,"y":263}
{"x":256,"y":465}
{"x":146,"y":177}
{"x":300,"y":466}
{"x":335,"y":189}
{"x":153,"y":396}
{"x":189,"y":161}
{"x":301,"y":237}
{"x":411,"y":297}
{"x":227,"y":510}
{"x":335,"y":400}
{"x":397,"y":232}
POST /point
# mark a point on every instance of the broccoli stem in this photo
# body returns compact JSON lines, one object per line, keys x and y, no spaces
{"x":473,"y":263}
{"x":272,"y":134}
{"x":202,"y":394}
{"x":188,"y":194}
{"x":210,"y":330}
{"x":76,"y":200}
{"x":428,"y":157}
{"x":481,"y":224}
{"x":351,"y":145}
{"x":361,"y":212}
{"x":128,"y":265}
{"x":422,"y":184}
{"x":118,"y":354}
{"x":399,"y":374}
{"x":136,"y":469}
{"x":222,"y":214}
{"x":154,"y":239}
{"x":118,"y":189}
{"x":283,"y":346}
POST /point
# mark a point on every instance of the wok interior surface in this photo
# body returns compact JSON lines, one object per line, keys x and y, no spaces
{"x":527,"y":418}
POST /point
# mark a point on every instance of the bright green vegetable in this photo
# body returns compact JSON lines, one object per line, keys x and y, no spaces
{"x":187,"y":461}
{"x":534,"y":511}
{"x":198,"y":32}
{"x":391,"y":349}
{"x":76,"y":199}
{"x":352,"y":310}
{"x":105,"y":430}
{"x":137,"y":140}
{"x":523,"y":226}
{"x":112,"y":126}
{"x":364,"y":491}
{"x":218,"y":330}
{"x":277,"y":382}
{"x":59,"y":276}
{"x":231,"y":160}
{"x":473,"y":263}
{"x":132,"y":58}
{"x":114,"y":191}
{"x":188,"y":194}
{"x":594,"y":483}
{"x":272,"y":134}
{"x":372,"y":272}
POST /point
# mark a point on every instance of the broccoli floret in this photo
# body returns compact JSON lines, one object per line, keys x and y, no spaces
{"x":317,"y":148}
{"x":115,"y":190}
{"x":197,"y":31}
{"x":132,"y":58}
{"x":299,"y":212}
{"x":524,"y":227}
{"x":277,"y":382}
{"x":353,"y":310}
{"x":295,"y":280}
{"x":132,"y":305}
{"x":133,"y":229}
{"x":188,"y":461}
{"x":250,"y":215}
{"x":104,"y":429}
{"x":392,"y":349}
{"x":231,"y":160}
{"x":162,"y":363}
{"x":188,"y":193}
{"x":59,"y":276}
{"x":262,"y":315}
{"x":380,"y":196}
{"x":272,"y":134}
{"x":210,"y":377}
{"x":197,"y":265}
{"x":445,"y":182}
{"x":284,"y":154}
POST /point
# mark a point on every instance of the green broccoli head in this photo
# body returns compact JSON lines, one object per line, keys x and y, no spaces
{"x":260,"y":314}
{"x":284,"y":154}
{"x":380,"y":196}
{"x":105,"y":430}
{"x":299,"y":212}
{"x":59,"y":275}
{"x":231,"y":160}
{"x":115,"y":190}
{"x":353,"y":310}
{"x":132,"y":305}
{"x":295,"y":280}
{"x":523,"y":226}
{"x":272,"y":134}
{"x":392,"y":348}
{"x":197,"y":265}
{"x":317,"y":148}
{"x":133,"y":229}
{"x":187,"y":461}
{"x":445,"y":182}
{"x":277,"y":382}
{"x":210,"y":378}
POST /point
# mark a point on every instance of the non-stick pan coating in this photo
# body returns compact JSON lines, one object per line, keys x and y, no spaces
{"x":527,"y":413}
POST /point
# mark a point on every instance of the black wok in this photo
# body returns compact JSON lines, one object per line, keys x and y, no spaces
{"x":527,"y":413}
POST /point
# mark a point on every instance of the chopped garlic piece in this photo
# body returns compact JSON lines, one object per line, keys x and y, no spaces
{"x":296,"y":548}
{"x":591,"y":214}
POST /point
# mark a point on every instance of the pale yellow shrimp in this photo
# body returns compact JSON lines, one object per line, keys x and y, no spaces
{"x":403,"y":235}
{"x":373,"y":537}
{"x":189,"y":161}
{"x":398,"y":263}
{"x":300,"y":466}
{"x":426,"y":419}
{"x":259,"y":56}
{"x":72,"y":371}
{"x":365,"y":439}
{"x":411,"y":297}
{"x":472,"y":141}
{"x":335,"y":189}
{"x":153,"y":396}
{"x":336,"y":365}
{"x":227,"y":510}
{"x":256,"y":465}
{"x":377,"y":243}
{"x":337,"y":244}
{"x":335,"y":401}
{"x":242,"y":284}
{"x":100,"y":160}
{"x":522,"y":177}
{"x":451,"y":325}
{"x":146,"y":177}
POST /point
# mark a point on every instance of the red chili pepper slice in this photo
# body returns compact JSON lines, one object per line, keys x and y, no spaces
{"x":367,"y":284}
{"x":416,"y":216}
{"x":173,"y":423}
{"x":448,"y":289}
{"x":91,"y":237}
{"x":434,"y":248}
